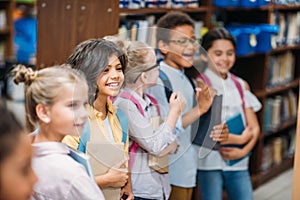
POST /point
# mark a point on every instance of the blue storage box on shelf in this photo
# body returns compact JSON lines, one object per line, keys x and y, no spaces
{"x":245,"y":38}
{"x":226,"y":3}
{"x":263,"y":2}
{"x":25,"y":39}
{"x":264,"y":37}
{"x":249,"y":3}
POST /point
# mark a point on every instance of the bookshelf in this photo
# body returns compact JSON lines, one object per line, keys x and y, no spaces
{"x":254,"y":68}
{"x":71,"y":26}
{"x":6,"y":30}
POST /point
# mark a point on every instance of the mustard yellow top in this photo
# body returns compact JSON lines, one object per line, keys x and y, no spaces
{"x":116,"y":128}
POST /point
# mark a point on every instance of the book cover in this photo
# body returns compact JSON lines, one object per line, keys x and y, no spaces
{"x":201,"y":135}
{"x":235,"y":126}
{"x":83,"y":159}
{"x":105,"y":155}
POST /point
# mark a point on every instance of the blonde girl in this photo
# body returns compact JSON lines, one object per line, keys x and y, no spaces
{"x":55,"y":103}
{"x":149,"y":135}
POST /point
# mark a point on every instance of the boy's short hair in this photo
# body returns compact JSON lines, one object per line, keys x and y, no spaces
{"x":170,"y":21}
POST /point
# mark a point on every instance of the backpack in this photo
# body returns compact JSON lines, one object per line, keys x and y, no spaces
{"x":126,"y":95}
{"x":168,"y":86}
{"x":236,"y":82}
{"x":85,"y":136}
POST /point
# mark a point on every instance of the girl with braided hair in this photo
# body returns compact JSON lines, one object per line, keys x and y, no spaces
{"x":55,"y":102}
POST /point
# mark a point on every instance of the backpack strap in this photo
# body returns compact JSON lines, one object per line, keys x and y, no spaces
{"x":127,"y":95}
{"x":239,"y":87}
{"x":134,"y":146}
{"x":236,"y":83}
{"x":205,"y":79}
{"x":86,"y":132}
{"x":124,"y":124}
{"x":167,"y":84}
{"x":154,"y":102}
{"x":191,"y":81}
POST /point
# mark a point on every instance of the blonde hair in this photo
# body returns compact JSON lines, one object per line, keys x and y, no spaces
{"x":43,"y":86}
{"x":136,"y":53}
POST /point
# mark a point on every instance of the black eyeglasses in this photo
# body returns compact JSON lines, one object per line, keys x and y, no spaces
{"x":146,"y":70}
{"x":184,"y":42}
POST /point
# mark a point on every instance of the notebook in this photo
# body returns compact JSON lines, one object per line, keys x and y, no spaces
{"x":235,"y":126}
{"x":105,"y":155}
{"x":201,"y":135}
{"x":83,"y":159}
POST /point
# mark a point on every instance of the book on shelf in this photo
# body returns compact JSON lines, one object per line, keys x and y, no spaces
{"x":292,"y":142}
{"x":281,"y":69}
{"x":3,"y":22}
{"x":289,"y":28}
{"x":2,"y":51}
{"x":279,"y":109}
{"x":276,"y":108}
{"x":293,"y":32}
{"x":277,"y":150}
{"x":267,"y":158}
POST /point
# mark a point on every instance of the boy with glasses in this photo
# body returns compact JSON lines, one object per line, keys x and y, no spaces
{"x":177,"y":43}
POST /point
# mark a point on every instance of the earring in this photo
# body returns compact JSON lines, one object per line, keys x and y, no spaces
{"x":46,"y":120}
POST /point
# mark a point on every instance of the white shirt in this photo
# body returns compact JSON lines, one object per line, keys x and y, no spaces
{"x":59,"y":176}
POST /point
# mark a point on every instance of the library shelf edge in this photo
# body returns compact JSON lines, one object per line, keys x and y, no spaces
{"x":262,"y":177}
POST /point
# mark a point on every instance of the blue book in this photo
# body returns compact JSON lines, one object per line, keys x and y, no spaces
{"x":83,"y":159}
{"x":235,"y":126}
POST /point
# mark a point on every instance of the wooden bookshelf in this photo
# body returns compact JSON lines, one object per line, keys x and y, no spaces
{"x":284,"y":125}
{"x":262,"y":177}
{"x":162,"y":10}
{"x":73,"y":27}
{"x":282,"y":88}
{"x":6,"y":34}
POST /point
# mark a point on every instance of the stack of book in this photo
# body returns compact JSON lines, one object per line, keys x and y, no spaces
{"x":281,"y":69}
{"x":278,"y":110}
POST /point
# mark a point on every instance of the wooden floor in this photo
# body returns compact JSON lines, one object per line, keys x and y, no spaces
{"x":279,"y":188}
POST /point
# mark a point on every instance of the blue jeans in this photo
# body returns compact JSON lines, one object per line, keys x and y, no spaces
{"x":236,"y":183}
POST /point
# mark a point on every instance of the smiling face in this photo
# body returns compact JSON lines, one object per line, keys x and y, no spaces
{"x":180,"y":50}
{"x":111,"y":79}
{"x":222,"y":53}
{"x":68,"y":113}
{"x":16,"y":175}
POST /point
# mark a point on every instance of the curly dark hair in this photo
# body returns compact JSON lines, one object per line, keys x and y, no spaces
{"x":170,"y":21}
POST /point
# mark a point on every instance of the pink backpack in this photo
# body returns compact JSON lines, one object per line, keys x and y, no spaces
{"x":133,"y":148}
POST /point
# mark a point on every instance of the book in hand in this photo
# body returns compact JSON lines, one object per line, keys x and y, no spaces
{"x":105,"y":155}
{"x":205,"y":124}
{"x":83,"y":159}
{"x":235,"y":126}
